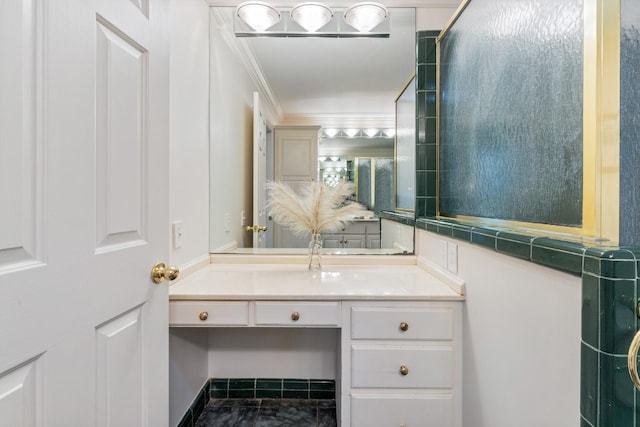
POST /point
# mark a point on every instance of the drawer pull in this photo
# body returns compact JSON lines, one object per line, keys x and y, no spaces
{"x":404,"y":370}
{"x":204,"y":316}
{"x":295,"y":316}
{"x":404,"y":326}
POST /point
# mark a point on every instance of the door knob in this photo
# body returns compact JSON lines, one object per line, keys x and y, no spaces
{"x":256,"y":228}
{"x":160,"y":272}
{"x":632,"y":360}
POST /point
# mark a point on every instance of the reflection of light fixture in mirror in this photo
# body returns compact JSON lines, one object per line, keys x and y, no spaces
{"x":365,"y":16}
{"x":311,"y":15}
{"x":389,"y":132}
{"x":335,"y":159}
{"x":258,"y":15}
{"x":351,"y":132}
{"x":371,"y":132}
{"x":330,"y":132}
{"x":322,"y":159}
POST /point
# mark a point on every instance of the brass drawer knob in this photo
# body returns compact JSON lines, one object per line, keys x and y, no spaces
{"x":295,"y":316}
{"x":404,"y":326}
{"x":204,"y":316}
{"x":404,"y":370}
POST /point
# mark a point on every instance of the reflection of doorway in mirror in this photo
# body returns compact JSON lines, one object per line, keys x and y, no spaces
{"x":374,"y":183}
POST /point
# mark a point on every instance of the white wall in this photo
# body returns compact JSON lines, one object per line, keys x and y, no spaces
{"x":273,"y":353}
{"x":231,"y":141}
{"x":188,"y":368}
{"x":189,"y":128}
{"x":521,"y":364}
{"x":433,"y":18}
{"x":189,"y":183}
{"x":396,"y":235}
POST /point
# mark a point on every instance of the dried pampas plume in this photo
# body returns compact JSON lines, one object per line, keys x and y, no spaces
{"x":314,"y":208}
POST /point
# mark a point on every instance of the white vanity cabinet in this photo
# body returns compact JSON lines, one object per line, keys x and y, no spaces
{"x":391,"y":335}
{"x":401,"y":364}
{"x":356,"y":234}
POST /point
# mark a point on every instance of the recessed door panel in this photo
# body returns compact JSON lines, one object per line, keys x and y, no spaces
{"x":119,"y":371}
{"x":120,"y":138}
{"x":19,"y":396}
{"x":20,"y":219}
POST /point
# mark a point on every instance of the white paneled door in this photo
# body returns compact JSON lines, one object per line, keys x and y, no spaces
{"x":84,"y":213}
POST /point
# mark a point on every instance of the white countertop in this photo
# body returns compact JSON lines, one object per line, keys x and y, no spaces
{"x":295,"y":282}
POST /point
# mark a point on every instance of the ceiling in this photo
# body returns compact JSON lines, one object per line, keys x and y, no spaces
{"x":337,"y":82}
{"x":340,"y":81}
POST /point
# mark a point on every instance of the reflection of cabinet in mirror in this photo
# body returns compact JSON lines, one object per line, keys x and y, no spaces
{"x":296,"y":153}
{"x":358,"y":234}
{"x":296,"y":161}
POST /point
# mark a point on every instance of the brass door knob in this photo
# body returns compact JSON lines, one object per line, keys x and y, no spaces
{"x":256,"y":228}
{"x":204,"y":316}
{"x":404,"y":326}
{"x":160,"y":272}
{"x":404,"y":370}
{"x":632,"y":360}
{"x":295,"y":316}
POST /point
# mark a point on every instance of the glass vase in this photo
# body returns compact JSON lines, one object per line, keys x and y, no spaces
{"x":315,"y":252}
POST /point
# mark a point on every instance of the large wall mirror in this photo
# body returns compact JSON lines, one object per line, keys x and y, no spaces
{"x":345,"y":88}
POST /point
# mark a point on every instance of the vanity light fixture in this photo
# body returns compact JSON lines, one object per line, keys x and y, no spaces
{"x":389,"y":132}
{"x":331,"y":132}
{"x":258,"y":15}
{"x":365,"y":16}
{"x":311,"y":15}
{"x":335,"y":159}
{"x":371,"y":132}
{"x":351,"y":132}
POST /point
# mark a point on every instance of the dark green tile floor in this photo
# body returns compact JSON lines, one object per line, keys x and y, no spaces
{"x":268,"y":413}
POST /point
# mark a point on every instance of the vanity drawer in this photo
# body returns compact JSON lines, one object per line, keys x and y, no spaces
{"x":209,"y":313}
{"x":422,"y":411}
{"x":395,"y":323}
{"x":294,"y":313}
{"x":356,"y":227}
{"x":384,"y":367}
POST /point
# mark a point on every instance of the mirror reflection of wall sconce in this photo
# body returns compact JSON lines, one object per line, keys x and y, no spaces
{"x":358,"y":133}
{"x":260,"y":19}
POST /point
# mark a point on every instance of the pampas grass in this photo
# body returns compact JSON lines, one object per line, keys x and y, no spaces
{"x":314,"y":208}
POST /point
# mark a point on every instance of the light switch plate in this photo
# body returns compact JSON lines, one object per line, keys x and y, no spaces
{"x":178,"y":234}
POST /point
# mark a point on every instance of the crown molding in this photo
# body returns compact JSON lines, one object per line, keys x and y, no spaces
{"x":359,"y":120}
{"x":240,"y":47}
{"x":418,"y":4}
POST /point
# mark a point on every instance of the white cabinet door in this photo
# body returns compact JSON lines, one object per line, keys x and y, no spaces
{"x":406,"y":410}
{"x":296,"y":153}
{"x":83,"y":176}
{"x":354,"y":241}
{"x":295,"y":162}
